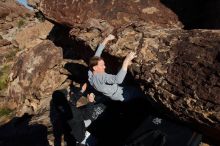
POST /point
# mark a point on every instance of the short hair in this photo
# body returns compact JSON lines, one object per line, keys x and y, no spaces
{"x":94,"y":61}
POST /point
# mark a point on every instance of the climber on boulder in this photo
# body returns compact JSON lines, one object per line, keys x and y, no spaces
{"x":108,"y":84}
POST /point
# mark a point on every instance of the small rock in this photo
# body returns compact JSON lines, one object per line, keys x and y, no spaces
{"x":34,"y":105}
{"x":150,"y":10}
{"x":9,"y":18}
{"x":25,"y":109}
{"x":14,"y":15}
{"x":2,"y":21}
{"x":15,"y":43}
{"x":26,"y":102}
{"x":34,"y":35}
{"x":4,"y":42}
{"x":218,"y":116}
{"x":6,"y":26}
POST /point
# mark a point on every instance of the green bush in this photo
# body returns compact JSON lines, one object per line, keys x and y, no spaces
{"x":5,"y":112}
{"x":20,"y":23}
{"x":4,"y":72}
{"x":40,"y":16}
{"x":11,"y":55}
{"x":27,"y":15}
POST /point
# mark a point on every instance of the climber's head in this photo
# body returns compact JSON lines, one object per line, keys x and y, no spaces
{"x":97,"y":65}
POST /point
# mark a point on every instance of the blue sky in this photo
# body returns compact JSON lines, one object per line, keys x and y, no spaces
{"x":24,"y":2}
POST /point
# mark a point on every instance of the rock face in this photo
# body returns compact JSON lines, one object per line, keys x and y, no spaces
{"x":13,"y":18}
{"x":179,"y":68}
{"x":6,"y":48}
{"x":17,"y":27}
{"x":33,"y":35}
{"x":35,"y":74}
{"x":116,"y":12}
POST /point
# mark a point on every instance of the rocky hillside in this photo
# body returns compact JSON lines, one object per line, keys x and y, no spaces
{"x":13,"y":18}
{"x":177,"y":66}
{"x":20,"y":31}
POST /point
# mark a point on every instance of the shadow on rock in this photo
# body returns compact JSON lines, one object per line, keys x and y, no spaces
{"x":72,"y":48}
{"x":19,"y":132}
{"x":196,"y":14}
{"x":60,"y":113}
{"x":134,"y":123}
{"x":118,"y":121}
{"x":78,"y":72}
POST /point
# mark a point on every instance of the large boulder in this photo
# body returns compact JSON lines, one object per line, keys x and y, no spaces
{"x":116,"y":12}
{"x":33,"y":35}
{"x":180,"y":69}
{"x":35,"y":74}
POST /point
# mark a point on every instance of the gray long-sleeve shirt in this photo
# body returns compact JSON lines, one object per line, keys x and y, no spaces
{"x":107,"y":84}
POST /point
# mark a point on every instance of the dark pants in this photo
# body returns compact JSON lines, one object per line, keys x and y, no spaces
{"x":130,"y":93}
